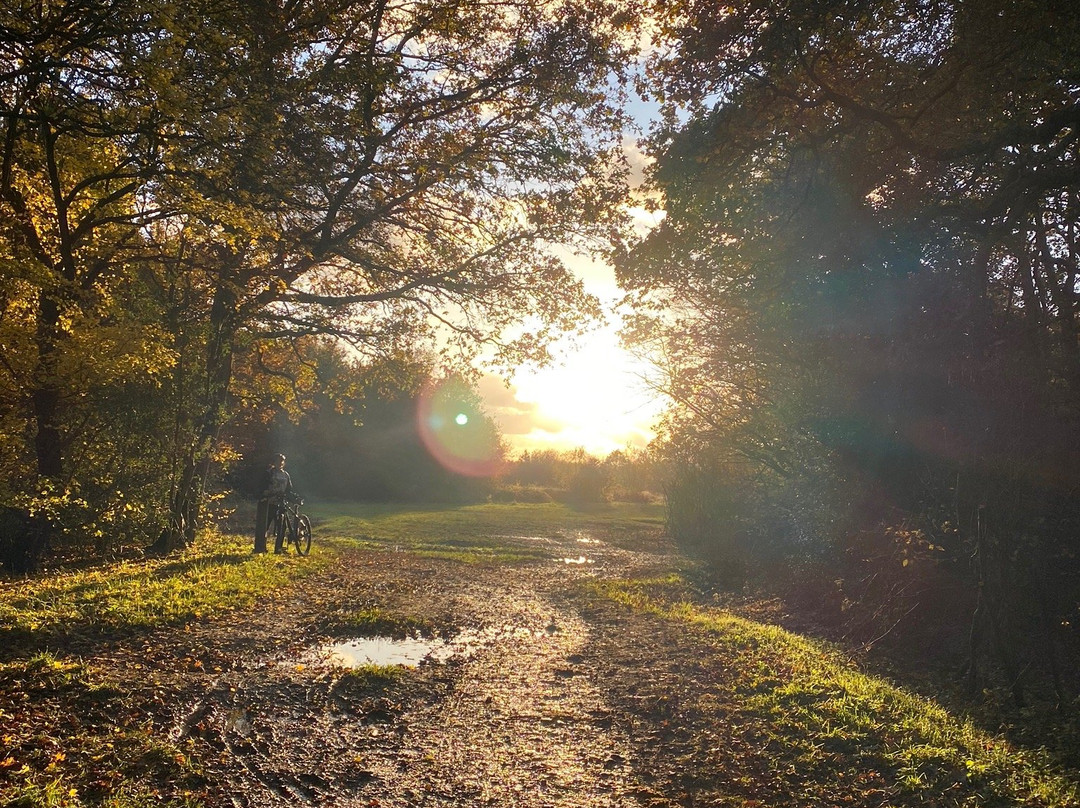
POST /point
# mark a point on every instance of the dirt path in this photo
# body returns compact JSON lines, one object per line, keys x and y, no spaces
{"x":519,"y":719}
{"x":524,"y":725}
{"x":548,"y":695}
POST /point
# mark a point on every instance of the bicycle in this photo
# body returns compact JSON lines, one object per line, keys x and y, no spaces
{"x":292,"y":527}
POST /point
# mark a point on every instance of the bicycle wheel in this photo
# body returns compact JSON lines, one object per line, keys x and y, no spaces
{"x":302,"y":535}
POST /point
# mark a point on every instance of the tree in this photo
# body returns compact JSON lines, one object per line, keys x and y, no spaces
{"x":388,"y":173}
{"x":77,"y":149}
{"x":868,"y":271}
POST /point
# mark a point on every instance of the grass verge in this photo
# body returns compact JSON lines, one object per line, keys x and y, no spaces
{"x":834,"y":727}
{"x":69,"y":739}
{"x":217,"y":574}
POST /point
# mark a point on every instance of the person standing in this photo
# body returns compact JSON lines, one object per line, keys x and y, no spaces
{"x":276,"y":485}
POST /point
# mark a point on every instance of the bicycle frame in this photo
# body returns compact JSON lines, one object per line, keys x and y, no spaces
{"x":292,"y":527}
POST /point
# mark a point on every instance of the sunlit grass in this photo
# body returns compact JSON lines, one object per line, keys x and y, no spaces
{"x":218,"y":573}
{"x":482,"y":534}
{"x":820,"y":708}
{"x":373,"y":677}
{"x":364,"y":622}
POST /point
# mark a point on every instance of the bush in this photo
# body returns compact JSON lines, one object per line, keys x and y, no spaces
{"x":531,"y":494}
{"x":23,"y":540}
{"x":706,"y":519}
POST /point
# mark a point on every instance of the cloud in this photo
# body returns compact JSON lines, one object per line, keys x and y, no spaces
{"x":638,"y":162}
{"x":514,"y":417}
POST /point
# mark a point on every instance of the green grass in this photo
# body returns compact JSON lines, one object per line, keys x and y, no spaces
{"x":821,"y":713}
{"x":489,"y":533}
{"x":219,"y":573}
{"x":365,"y":622}
{"x":66,"y":737}
{"x":373,"y":677}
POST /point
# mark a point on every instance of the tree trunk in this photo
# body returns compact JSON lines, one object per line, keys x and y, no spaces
{"x":47,"y":406}
{"x":185,"y":517}
{"x":45,"y":397}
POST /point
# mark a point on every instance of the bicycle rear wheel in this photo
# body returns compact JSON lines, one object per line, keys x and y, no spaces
{"x":302,"y":536}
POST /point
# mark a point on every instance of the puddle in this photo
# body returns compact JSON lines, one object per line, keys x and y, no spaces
{"x":578,"y":560}
{"x":408,"y":652}
{"x":411,"y":652}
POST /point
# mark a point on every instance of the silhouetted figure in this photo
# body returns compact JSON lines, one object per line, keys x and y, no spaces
{"x":276,"y":484}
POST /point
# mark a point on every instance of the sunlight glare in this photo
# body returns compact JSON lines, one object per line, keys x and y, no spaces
{"x":594,"y":397}
{"x":459,"y":443}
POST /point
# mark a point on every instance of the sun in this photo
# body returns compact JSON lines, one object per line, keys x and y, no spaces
{"x":594,"y":397}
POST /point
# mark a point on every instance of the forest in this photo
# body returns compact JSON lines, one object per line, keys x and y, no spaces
{"x":865,"y":294}
{"x":216,"y":213}
{"x":235,"y":227}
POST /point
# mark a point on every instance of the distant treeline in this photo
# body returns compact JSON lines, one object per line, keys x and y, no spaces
{"x":361,"y":439}
{"x":354,"y":433}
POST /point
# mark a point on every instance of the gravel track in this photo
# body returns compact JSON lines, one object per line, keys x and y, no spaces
{"x":520,"y":719}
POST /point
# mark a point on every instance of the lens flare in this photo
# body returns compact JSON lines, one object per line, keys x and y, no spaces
{"x":455,"y":431}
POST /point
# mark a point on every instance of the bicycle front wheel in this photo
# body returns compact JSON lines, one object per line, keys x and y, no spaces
{"x":280,"y":531}
{"x":303,"y":535}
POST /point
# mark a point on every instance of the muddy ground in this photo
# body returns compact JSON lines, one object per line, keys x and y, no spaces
{"x":556,"y":699}
{"x":539,"y":693}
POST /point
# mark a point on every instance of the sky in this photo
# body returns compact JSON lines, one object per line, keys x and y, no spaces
{"x":594,"y":396}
